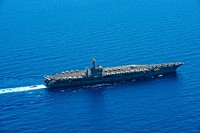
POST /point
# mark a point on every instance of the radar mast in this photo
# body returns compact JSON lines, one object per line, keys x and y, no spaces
{"x":94,"y":63}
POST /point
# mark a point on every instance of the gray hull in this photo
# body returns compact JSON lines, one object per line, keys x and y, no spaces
{"x":99,"y":75}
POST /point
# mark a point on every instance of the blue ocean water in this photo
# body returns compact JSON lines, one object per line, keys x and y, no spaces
{"x":46,"y":37}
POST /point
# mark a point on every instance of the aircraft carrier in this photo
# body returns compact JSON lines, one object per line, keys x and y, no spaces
{"x":98,"y":75}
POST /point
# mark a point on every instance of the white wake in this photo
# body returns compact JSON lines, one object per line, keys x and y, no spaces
{"x":20,"y":89}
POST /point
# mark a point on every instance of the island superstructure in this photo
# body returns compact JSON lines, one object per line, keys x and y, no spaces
{"x":98,"y":75}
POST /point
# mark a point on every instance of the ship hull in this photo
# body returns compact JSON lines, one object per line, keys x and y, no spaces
{"x":138,"y":72}
{"x":88,"y":83}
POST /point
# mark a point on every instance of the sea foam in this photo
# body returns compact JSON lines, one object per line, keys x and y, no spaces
{"x":20,"y":89}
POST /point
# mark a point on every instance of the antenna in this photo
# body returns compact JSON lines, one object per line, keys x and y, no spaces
{"x":94,"y":63}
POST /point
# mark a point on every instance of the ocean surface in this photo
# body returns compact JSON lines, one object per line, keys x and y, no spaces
{"x":40,"y":37}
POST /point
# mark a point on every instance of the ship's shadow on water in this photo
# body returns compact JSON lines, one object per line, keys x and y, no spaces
{"x":163,"y":78}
